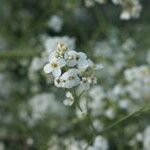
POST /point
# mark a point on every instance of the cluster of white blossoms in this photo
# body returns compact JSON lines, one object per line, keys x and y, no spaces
{"x":49,"y":44}
{"x":146,"y":138}
{"x":71,"y":143}
{"x":130,"y":8}
{"x":91,"y":3}
{"x":2,"y":146}
{"x":142,"y":138}
{"x":70,"y":69}
{"x":40,"y":105}
{"x":138,"y":82}
{"x":100,"y":143}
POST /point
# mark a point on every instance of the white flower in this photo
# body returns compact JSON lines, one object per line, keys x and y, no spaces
{"x":55,"y":23}
{"x":82,"y":61}
{"x":51,"y":43}
{"x":148,"y":57}
{"x":97,"y":93}
{"x":70,"y":57}
{"x":2,"y":146}
{"x":89,"y":3}
{"x":70,"y":78}
{"x":94,"y":66}
{"x":131,"y":9}
{"x":124,"y":104}
{"x":41,"y":104}
{"x":55,"y":66}
{"x":58,"y":82}
{"x":76,"y":58}
{"x":110,"y":113}
{"x":146,"y":139}
{"x":100,"y":143}
{"x":125,"y":15}
{"x":69,"y":99}
{"x":101,"y":1}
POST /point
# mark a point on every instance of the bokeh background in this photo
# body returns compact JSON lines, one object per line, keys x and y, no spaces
{"x":115,"y":33}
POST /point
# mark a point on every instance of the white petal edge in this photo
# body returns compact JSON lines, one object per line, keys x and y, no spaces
{"x":47,"y":68}
{"x":56,"y":72}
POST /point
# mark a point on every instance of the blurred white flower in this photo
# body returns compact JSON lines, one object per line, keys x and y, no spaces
{"x":100,"y":143}
{"x":72,"y":144}
{"x":97,"y":103}
{"x":94,"y":66}
{"x":69,"y":99}
{"x":138,"y":79}
{"x":98,"y":125}
{"x":146,"y":139}
{"x":36,"y":64}
{"x":2,"y":146}
{"x":91,"y":3}
{"x":130,"y":8}
{"x":110,"y":113}
{"x":124,"y":104}
{"x":97,"y":92}
{"x":55,"y":23}
{"x":30,"y":141}
{"x":148,"y":57}
{"x":129,"y":45}
{"x":83,"y":105}
{"x":41,"y":105}
{"x":51,"y":43}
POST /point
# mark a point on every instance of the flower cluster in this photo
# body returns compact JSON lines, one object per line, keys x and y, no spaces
{"x":130,"y":8}
{"x":72,"y":143}
{"x":90,"y":3}
{"x":138,"y":82}
{"x":70,"y":69}
{"x":40,"y":105}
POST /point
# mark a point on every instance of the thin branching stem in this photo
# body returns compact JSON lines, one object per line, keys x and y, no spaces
{"x":136,"y":113}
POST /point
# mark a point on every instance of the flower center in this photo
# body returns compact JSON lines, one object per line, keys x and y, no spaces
{"x":58,"y":81}
{"x":71,"y":78}
{"x":78,"y":57}
{"x":70,"y":58}
{"x":54,"y":65}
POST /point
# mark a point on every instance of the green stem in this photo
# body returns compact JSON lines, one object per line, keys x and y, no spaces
{"x":133,"y":114}
{"x":18,"y":54}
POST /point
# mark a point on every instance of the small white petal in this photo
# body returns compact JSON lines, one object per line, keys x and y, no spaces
{"x":83,"y":64}
{"x":77,"y":81}
{"x":69,"y":95}
{"x":82,"y":55}
{"x":68,"y":102}
{"x":70,"y":57}
{"x":65,"y":76}
{"x":70,"y":53}
{"x":99,"y":66}
{"x":52,"y":56}
{"x":47,"y":68}
{"x":61,"y":62}
{"x":56,"y":72}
